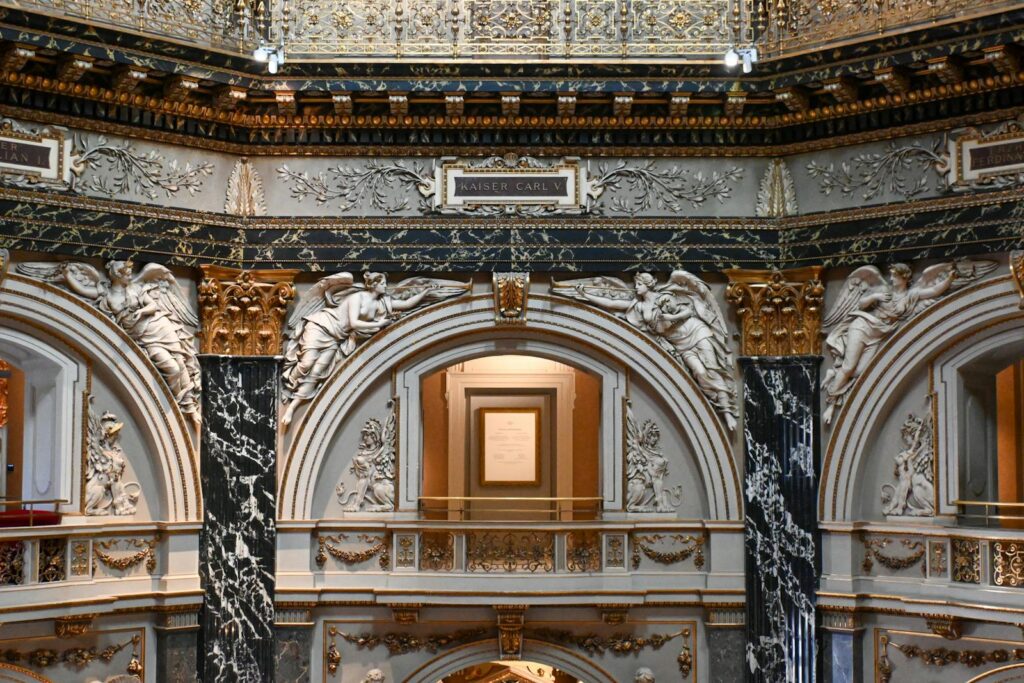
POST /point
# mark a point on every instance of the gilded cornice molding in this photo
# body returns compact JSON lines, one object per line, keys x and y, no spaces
{"x":779,"y":311}
{"x":242,"y":311}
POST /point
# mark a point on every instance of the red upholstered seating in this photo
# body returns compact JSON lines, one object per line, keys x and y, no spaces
{"x":9,"y":518}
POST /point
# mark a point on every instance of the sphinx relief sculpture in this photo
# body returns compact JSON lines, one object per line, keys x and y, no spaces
{"x":105,"y":491}
{"x":913,"y":494}
{"x":150,"y":307}
{"x":870,"y":310}
{"x":681,"y":315}
{"x":336,"y":315}
{"x":647,"y":469}
{"x":373,"y":468}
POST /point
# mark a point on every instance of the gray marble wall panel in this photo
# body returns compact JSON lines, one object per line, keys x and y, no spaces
{"x":293,"y":654}
{"x":176,"y":656}
{"x":726,"y":654}
{"x":237,"y":544}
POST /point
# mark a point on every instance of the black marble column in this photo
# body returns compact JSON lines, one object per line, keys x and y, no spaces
{"x":237,"y":544}
{"x":783,"y":555}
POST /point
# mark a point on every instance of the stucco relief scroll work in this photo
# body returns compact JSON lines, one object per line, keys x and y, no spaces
{"x":336,"y":315}
{"x":681,"y":315}
{"x":871,"y":309}
{"x":150,"y":307}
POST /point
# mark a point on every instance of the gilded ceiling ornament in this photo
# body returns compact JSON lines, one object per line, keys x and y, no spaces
{"x":150,"y":306}
{"x":647,"y":469}
{"x":776,"y":197}
{"x":681,"y":315}
{"x":105,"y":491}
{"x":511,"y":293}
{"x":242,"y":311}
{"x":870,"y":310}
{"x":373,"y":467}
{"x":1017,"y":268}
{"x":913,"y":494}
{"x":244,"y":196}
{"x":335,"y":315}
{"x":779,"y":311}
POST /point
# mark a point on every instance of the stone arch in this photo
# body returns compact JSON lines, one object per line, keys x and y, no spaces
{"x":570,"y":324}
{"x":487,"y":651}
{"x":954,"y":318}
{"x":44,"y":311}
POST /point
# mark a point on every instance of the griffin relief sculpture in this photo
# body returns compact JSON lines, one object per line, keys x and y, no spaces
{"x":150,"y":307}
{"x":647,"y":469}
{"x":336,"y":315}
{"x":682,"y":315}
{"x":870,"y":310}
{"x":913,"y":494}
{"x":105,"y":491}
{"x":373,"y":468}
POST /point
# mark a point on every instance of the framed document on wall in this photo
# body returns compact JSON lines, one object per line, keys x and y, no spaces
{"x":509,"y":446}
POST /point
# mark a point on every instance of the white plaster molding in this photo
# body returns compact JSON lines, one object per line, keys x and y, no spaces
{"x":578,"y":332}
{"x":907,"y":351}
{"x":41,"y":310}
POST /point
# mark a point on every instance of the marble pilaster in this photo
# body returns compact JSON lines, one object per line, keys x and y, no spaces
{"x":237,"y":544}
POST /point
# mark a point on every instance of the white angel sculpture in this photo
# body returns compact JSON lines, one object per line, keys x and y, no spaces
{"x":870,"y":309}
{"x":150,"y":307}
{"x":336,"y":315}
{"x":681,"y":314}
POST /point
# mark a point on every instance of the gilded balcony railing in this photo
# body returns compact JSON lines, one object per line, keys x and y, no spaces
{"x":516,"y":30}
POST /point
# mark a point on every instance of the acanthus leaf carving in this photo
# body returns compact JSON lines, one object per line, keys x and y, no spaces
{"x":776,"y":196}
{"x":105,"y":492}
{"x":373,"y":467}
{"x":870,"y":310}
{"x":913,"y":494}
{"x":336,"y":315}
{"x":681,"y":315}
{"x":244,"y":195}
{"x":150,"y":307}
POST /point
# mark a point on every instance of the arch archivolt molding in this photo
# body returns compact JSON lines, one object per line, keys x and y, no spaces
{"x":937,"y":332}
{"x":50,"y":312}
{"x":486,"y":651}
{"x":553,"y":323}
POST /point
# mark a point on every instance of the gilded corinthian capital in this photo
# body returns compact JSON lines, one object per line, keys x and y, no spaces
{"x":1017,"y":268}
{"x":242,"y":311}
{"x":779,"y":310}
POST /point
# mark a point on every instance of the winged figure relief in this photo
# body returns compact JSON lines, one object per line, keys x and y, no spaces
{"x":373,"y":468}
{"x":870,"y":309}
{"x":913,"y":493}
{"x":681,"y":314}
{"x":647,"y":469}
{"x":150,"y":307}
{"x":337,"y":314}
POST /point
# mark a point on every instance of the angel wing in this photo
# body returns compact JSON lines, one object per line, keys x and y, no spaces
{"x":80,"y":278}
{"x":704,"y":304}
{"x":964,"y":271}
{"x":606,"y":287}
{"x":437,"y":290}
{"x":859,"y":282}
{"x":324,"y":292}
{"x":165,"y":291}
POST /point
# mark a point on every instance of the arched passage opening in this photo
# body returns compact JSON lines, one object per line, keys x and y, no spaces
{"x":482,"y":653}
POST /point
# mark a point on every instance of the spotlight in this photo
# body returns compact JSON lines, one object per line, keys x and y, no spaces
{"x":260,"y":54}
{"x":272,"y":62}
{"x":732,"y":58}
{"x":748,"y":63}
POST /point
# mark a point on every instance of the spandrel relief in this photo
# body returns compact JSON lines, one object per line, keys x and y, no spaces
{"x":913,"y":492}
{"x":871,"y":309}
{"x":647,"y":469}
{"x":681,"y":315}
{"x":106,"y":491}
{"x":336,"y":315}
{"x":372,"y":468}
{"x":150,"y":307}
